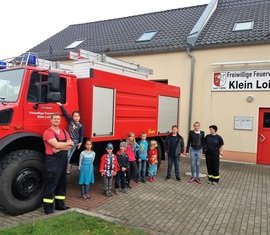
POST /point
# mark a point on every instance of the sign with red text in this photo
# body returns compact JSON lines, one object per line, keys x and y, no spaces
{"x":248,"y":80}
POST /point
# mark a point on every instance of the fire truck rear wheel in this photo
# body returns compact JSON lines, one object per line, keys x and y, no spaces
{"x":21,"y":179}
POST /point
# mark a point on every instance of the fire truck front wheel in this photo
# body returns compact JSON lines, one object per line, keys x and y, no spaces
{"x":21,"y":180}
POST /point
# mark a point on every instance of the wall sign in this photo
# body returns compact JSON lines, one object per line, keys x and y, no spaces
{"x":248,"y":80}
{"x":243,"y":123}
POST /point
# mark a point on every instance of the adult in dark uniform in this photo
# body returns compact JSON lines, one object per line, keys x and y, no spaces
{"x":213,"y":151}
{"x":57,"y":143}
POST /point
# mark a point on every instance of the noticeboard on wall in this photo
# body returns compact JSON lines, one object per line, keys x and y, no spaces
{"x":243,"y":123}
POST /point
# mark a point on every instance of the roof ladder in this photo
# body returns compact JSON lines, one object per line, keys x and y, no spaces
{"x":109,"y":62}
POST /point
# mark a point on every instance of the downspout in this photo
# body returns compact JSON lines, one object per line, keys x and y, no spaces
{"x":191,"y":41}
{"x":191,"y":84}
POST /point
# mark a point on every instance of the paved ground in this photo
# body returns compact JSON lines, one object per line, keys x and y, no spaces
{"x":239,"y":204}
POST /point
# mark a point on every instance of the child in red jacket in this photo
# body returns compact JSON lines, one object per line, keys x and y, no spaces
{"x":108,"y":169}
{"x":152,"y":161}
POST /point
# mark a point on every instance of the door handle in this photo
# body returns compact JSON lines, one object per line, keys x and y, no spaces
{"x":262,"y":138}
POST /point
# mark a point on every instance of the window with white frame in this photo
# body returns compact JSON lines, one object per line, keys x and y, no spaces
{"x":147,"y":36}
{"x":240,"y":26}
{"x":75,"y":44}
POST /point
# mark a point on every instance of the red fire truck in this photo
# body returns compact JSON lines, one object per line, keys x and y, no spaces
{"x":113,"y":97}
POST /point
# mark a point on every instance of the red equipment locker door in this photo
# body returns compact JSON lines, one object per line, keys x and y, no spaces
{"x":263,"y":151}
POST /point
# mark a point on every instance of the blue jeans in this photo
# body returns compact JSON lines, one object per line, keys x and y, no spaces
{"x":72,"y":150}
{"x":142,"y":169}
{"x":84,"y":189}
{"x":195,"y":157}
{"x":173,"y":160}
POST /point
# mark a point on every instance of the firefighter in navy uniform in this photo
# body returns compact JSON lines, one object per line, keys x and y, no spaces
{"x":57,"y":143}
{"x":213,"y":152}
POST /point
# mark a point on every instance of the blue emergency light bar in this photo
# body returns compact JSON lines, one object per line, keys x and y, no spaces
{"x":3,"y":64}
{"x":30,"y":59}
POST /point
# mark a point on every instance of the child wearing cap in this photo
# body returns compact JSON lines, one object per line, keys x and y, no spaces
{"x":123,"y":163}
{"x":108,"y":169}
{"x":152,"y":161}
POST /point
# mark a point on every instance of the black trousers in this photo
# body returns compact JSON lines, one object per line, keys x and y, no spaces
{"x":132,"y":171}
{"x":212,"y":164}
{"x":55,"y":179}
{"x":120,"y":176}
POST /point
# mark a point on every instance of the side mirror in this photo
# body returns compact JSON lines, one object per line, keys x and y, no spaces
{"x":54,"y":82}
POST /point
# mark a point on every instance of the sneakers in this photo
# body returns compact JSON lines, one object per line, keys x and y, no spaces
{"x":129,"y":186}
{"x":212,"y":182}
{"x":143,"y":180}
{"x":116,"y":191}
{"x":124,"y":190}
{"x":108,"y":193}
{"x":198,"y":181}
{"x":191,"y":180}
{"x":178,"y":178}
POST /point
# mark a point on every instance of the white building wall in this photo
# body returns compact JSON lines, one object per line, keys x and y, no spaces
{"x":210,"y":107}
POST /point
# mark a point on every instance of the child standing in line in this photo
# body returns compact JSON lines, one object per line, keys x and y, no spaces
{"x":108,"y":169}
{"x":152,"y":161}
{"x":123,"y":163}
{"x":132,"y":148}
{"x":142,"y":156}
{"x":86,"y":168}
{"x":76,"y":131}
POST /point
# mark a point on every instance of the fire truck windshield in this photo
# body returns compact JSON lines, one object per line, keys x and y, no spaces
{"x":10,"y":84}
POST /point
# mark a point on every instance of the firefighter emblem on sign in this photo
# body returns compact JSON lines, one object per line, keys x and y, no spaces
{"x":219,"y":79}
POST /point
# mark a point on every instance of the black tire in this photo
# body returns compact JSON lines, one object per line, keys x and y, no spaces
{"x":21,"y":181}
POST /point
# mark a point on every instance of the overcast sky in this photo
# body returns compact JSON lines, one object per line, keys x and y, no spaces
{"x":25,"y":24}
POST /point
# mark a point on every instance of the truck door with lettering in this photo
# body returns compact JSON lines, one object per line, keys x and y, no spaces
{"x":37,"y":106}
